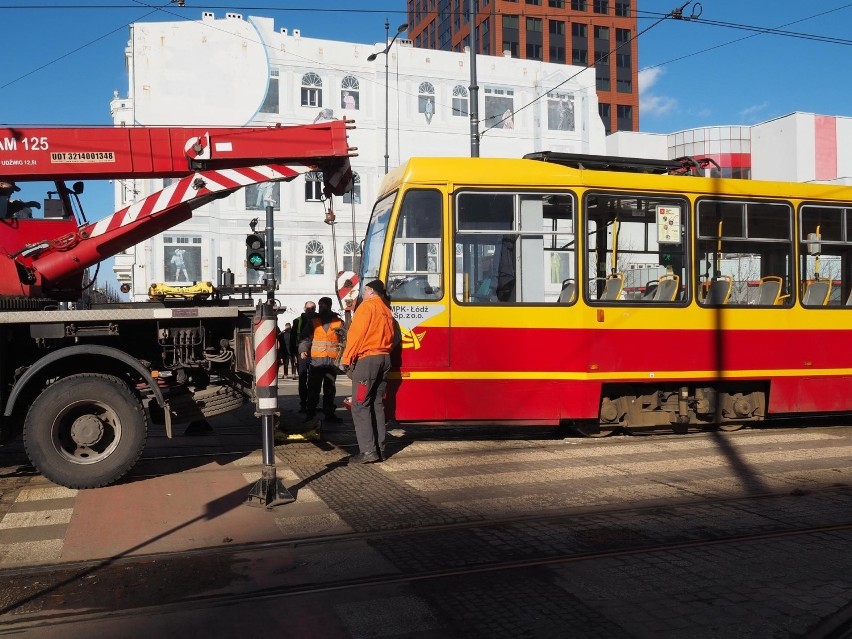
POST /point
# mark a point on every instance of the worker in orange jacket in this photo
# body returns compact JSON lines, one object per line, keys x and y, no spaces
{"x":372,"y":335}
{"x":323,"y":339}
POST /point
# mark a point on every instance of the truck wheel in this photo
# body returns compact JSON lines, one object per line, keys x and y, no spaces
{"x":85,"y":431}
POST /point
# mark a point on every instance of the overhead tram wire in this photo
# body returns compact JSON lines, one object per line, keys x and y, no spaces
{"x":760,"y":31}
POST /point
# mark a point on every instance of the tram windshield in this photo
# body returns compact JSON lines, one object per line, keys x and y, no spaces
{"x":375,"y":239}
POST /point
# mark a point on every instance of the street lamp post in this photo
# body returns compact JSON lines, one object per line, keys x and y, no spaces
{"x":372,"y":57}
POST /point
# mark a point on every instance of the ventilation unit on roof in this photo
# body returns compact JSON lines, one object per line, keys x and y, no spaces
{"x":283,"y":30}
{"x":207,"y":15}
{"x":234,"y":16}
{"x":297,"y":33}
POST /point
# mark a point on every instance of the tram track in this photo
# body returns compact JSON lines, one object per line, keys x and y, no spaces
{"x":70,"y":574}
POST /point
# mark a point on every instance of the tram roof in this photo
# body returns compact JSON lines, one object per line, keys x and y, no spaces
{"x":531,"y":172}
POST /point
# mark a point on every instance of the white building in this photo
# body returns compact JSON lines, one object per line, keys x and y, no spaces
{"x":799,"y":147}
{"x":233,"y":71}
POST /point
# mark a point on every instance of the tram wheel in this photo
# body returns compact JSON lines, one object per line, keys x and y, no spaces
{"x":730,"y":428}
{"x":592,"y":429}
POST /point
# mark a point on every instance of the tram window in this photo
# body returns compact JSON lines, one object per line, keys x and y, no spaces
{"x":825,"y":255}
{"x":747,"y":245}
{"x":415,"y":270}
{"x":638,"y":241}
{"x":514,"y":247}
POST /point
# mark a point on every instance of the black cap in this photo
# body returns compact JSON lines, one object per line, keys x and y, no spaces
{"x":378,"y":286}
{"x":325,"y":300}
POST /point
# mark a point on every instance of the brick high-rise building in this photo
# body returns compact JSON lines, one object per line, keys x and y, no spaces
{"x":576,"y":32}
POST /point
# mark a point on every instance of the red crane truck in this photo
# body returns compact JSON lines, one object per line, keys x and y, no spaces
{"x":84,"y":384}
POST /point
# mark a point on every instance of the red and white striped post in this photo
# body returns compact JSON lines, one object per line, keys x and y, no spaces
{"x":268,"y":491}
{"x":265,"y":332}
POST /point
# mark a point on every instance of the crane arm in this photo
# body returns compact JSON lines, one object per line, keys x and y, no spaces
{"x":86,"y":153}
{"x":42,"y":257}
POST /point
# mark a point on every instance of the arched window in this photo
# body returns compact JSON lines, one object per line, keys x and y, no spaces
{"x":311,"y":90}
{"x":351,"y":256}
{"x":350,"y":96}
{"x":355,"y":192}
{"x":426,"y":100}
{"x":313,"y":186}
{"x":314,"y":260}
{"x":460,"y":101}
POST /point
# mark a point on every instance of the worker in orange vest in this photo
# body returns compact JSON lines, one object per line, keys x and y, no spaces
{"x":323,"y":339}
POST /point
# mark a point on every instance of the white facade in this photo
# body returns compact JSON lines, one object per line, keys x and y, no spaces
{"x":234,"y":71}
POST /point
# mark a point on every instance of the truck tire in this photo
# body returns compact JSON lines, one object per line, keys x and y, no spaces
{"x":85,"y":431}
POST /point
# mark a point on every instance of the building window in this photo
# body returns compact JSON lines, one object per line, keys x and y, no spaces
{"x":622,"y":8}
{"x":624,"y":113}
{"x":259,"y":196}
{"x":426,"y":100}
{"x":182,"y":258}
{"x":511,"y":36}
{"x":534,"y":39}
{"x":271,"y":101}
{"x":355,"y":193}
{"x":485,"y":40}
{"x":351,"y":256}
{"x":557,"y":41}
{"x":602,"y":6}
{"x":578,"y":5}
{"x":460,"y":101}
{"x":560,"y":112}
{"x":535,"y":2}
{"x":556,"y":4}
{"x":604,"y":82}
{"x":313,"y":186}
{"x":349,"y":94}
{"x":606,"y":116}
{"x":314,"y":259}
{"x":311,"y":90}
{"x":499,"y":108}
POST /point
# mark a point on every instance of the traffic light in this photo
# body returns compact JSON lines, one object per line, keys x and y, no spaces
{"x":255,"y":251}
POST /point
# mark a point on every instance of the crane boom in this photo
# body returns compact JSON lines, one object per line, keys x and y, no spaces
{"x":46,"y":257}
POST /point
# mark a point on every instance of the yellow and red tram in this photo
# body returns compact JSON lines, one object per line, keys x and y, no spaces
{"x":536,"y":292}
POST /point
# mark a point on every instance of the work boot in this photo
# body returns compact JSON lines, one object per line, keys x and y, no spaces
{"x":331,"y":417}
{"x":365,"y":458}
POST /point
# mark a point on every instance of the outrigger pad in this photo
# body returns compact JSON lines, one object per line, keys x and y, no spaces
{"x":269,"y":492}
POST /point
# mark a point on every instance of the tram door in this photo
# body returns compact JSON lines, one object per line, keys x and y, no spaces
{"x":417,"y":285}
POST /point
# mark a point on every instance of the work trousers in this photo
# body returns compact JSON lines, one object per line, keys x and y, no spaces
{"x":368,"y":401}
{"x":321,"y":377}
{"x":302,"y":367}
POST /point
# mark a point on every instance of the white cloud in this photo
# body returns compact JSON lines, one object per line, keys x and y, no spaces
{"x":753,"y":110}
{"x":651,"y":104}
{"x":649,"y":77}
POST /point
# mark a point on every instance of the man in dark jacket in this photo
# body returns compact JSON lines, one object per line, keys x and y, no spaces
{"x":323,"y":339}
{"x":285,"y":361}
{"x":303,"y":358}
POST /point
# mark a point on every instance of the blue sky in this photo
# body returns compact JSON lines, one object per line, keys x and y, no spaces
{"x":62,"y":59}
